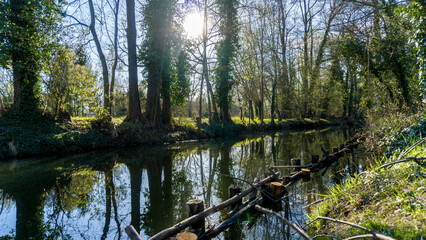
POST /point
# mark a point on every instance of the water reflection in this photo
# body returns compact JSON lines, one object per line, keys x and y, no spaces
{"x":95,"y":195}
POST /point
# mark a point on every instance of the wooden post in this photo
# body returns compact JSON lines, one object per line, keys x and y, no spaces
{"x":195,"y":207}
{"x":315,"y":159}
{"x":306,"y":174}
{"x":234,"y":190}
{"x":276,"y":189}
{"x":175,"y":229}
{"x":131,"y":232}
{"x":296,"y":162}
{"x":272,"y":194}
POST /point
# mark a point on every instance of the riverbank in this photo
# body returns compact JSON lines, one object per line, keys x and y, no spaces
{"x":389,"y":198}
{"x":47,"y":137}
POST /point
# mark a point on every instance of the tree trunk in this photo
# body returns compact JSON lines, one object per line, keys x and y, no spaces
{"x":25,"y":61}
{"x":105,"y":77}
{"x":134,"y":113}
{"x":114,"y":65}
{"x":200,"y":110}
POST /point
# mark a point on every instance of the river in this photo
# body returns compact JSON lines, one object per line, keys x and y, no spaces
{"x":96,"y":195}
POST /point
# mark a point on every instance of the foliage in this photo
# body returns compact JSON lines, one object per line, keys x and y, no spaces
{"x":226,"y":51}
{"x":27,"y":31}
{"x":156,"y":55}
{"x":180,"y":86}
{"x":387,"y":58}
{"x":71,"y":85}
{"x":416,"y":10}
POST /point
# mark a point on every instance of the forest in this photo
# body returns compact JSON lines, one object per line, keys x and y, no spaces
{"x":159,"y":60}
{"x":122,"y":111}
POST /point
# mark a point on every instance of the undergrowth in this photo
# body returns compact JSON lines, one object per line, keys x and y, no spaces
{"x":389,"y":200}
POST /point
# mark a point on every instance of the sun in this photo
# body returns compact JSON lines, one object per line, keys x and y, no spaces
{"x":193,"y":25}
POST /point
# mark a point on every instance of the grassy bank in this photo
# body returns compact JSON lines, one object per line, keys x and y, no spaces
{"x":19,"y":139}
{"x":390,"y":198}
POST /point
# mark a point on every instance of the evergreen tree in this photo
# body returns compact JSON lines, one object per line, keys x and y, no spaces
{"x":156,"y":56}
{"x":226,"y":52}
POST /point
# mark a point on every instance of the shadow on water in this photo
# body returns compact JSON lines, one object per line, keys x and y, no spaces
{"x":95,"y":195}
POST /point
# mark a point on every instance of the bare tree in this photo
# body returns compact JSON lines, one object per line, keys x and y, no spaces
{"x":134,"y":114}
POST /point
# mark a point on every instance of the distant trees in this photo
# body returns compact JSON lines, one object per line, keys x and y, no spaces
{"x":70,"y":84}
{"x":108,"y":70}
{"x":387,"y":58}
{"x":266,"y":59}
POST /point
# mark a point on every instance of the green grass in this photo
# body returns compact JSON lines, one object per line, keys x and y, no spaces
{"x":49,"y":136}
{"x":391,"y":201}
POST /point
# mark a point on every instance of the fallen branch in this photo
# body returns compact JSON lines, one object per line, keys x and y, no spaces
{"x":166,"y":233}
{"x":294,"y":226}
{"x":376,"y":235}
{"x":224,"y":225}
{"x":405,"y":152}
{"x":291,"y":167}
{"x":314,"y":203}
{"x":403,"y":160}
{"x":323,"y":236}
{"x":360,"y":237}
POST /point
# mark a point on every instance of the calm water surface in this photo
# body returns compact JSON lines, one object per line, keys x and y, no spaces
{"x":96,"y":195}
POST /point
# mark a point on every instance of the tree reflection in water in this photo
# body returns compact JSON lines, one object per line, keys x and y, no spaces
{"x":95,"y":195}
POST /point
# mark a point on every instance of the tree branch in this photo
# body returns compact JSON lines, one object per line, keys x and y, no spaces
{"x":75,"y":19}
{"x":417,"y":160}
{"x":376,"y":235}
{"x":285,"y":220}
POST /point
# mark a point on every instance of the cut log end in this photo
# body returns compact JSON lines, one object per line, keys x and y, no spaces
{"x":194,"y":207}
{"x":277,"y":189}
{"x":186,"y":236}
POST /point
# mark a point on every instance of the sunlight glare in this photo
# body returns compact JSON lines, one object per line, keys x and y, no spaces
{"x":193,"y":25}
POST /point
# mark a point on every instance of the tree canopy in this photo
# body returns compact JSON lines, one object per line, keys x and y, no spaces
{"x":299,"y":59}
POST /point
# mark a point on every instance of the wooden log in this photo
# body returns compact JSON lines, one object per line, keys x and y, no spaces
{"x":272,"y":195}
{"x":226,"y":224}
{"x":195,"y":207}
{"x":277,"y":189}
{"x":291,"y":167}
{"x":186,"y":236}
{"x":296,"y":162}
{"x":253,"y":194}
{"x":294,"y":226}
{"x":131,"y":232}
{"x":288,"y":180}
{"x":306,"y":173}
{"x":234,"y":190}
{"x":166,"y":233}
